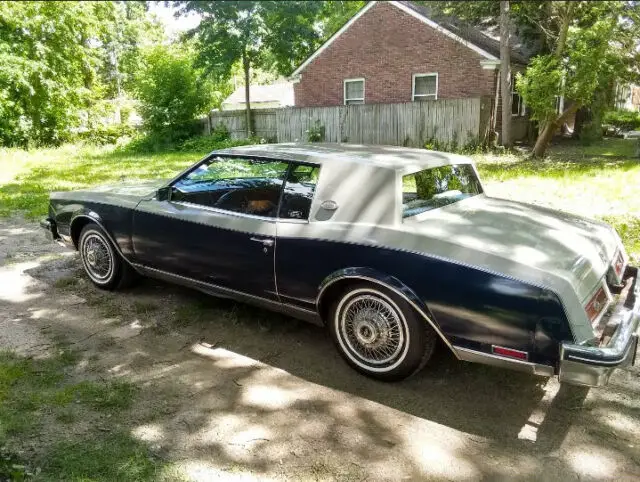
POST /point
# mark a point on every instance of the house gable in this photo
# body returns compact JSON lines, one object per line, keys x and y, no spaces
{"x":409,"y":11}
{"x":388,"y":47}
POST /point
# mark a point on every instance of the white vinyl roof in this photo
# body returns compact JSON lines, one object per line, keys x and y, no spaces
{"x":402,"y":159}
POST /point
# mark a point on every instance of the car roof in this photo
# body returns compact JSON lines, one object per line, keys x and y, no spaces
{"x":402,"y":159}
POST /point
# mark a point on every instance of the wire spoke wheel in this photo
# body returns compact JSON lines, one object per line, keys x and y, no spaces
{"x":373,"y":330}
{"x":97,"y":257}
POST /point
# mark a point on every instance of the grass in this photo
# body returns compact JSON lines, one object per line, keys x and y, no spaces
{"x":27,"y":177}
{"x":35,"y":393}
{"x":598,"y":181}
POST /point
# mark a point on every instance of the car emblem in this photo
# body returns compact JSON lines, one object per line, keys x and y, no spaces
{"x":597,"y":305}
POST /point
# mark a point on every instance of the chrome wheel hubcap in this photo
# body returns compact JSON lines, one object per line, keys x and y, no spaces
{"x":97,"y":256}
{"x":372,"y":329}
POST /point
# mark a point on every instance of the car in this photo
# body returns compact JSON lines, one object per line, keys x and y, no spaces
{"x":393,"y":250}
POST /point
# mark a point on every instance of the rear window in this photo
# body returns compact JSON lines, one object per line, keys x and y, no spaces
{"x":437,"y":187}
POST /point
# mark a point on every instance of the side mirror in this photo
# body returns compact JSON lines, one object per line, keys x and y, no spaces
{"x":164,"y":193}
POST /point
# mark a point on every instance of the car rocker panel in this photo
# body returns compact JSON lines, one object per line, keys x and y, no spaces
{"x":498,"y":282}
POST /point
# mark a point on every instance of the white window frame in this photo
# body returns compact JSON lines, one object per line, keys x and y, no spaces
{"x":344,"y":89}
{"x":413,"y":85}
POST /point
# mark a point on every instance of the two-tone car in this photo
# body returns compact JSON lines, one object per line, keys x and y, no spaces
{"x":391,"y":249}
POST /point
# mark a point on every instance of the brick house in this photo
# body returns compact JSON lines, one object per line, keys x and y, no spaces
{"x":401,"y":52}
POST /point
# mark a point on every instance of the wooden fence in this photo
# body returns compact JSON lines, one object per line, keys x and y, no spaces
{"x":458,"y":121}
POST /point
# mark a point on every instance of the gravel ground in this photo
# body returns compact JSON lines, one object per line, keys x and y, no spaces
{"x":231,"y":392}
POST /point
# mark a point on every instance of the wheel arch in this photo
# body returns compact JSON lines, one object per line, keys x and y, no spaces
{"x":336,"y":283}
{"x":80,"y":220}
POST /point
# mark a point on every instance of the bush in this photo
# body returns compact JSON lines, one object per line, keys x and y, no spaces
{"x":210,"y":143}
{"x":315,"y":133}
{"x":103,"y":135}
{"x":220,"y":132}
{"x":622,"y":120}
{"x":173,"y":93}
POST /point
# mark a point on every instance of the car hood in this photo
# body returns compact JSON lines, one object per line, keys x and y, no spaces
{"x":528,"y":238}
{"x":122,"y":194}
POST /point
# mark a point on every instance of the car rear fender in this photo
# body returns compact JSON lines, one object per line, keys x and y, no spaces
{"x":337,"y":281}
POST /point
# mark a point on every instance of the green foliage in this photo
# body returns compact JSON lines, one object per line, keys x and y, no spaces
{"x":316,"y":132}
{"x":210,"y":143}
{"x":58,"y":59}
{"x":27,"y":177}
{"x":622,"y":120}
{"x":109,"y":134}
{"x":274,"y":35}
{"x":12,"y":468}
{"x":473,"y":146}
{"x":172,"y":92}
{"x":540,"y":86}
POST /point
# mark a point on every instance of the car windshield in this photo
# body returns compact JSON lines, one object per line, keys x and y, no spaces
{"x":437,"y":187}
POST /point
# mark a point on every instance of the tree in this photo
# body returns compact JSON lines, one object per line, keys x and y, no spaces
{"x":595,"y":43}
{"x":56,"y":60}
{"x":579,"y":48}
{"x":172,"y":92}
{"x":273,"y":35}
{"x":505,"y":72}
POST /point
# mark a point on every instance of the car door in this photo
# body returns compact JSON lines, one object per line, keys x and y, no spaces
{"x":218,"y":225}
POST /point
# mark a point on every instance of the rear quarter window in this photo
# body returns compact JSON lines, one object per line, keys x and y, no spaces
{"x":436,"y":187}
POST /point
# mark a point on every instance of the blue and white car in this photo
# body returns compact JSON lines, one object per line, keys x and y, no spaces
{"x":392,"y":249}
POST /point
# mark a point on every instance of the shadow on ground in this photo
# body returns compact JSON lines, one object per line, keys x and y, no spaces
{"x":229,"y":390}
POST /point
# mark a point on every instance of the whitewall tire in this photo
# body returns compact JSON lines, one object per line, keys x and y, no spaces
{"x":100,"y":260}
{"x":379,"y":333}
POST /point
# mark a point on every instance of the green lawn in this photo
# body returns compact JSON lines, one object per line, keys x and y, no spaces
{"x":598,"y":181}
{"x":27,"y":177}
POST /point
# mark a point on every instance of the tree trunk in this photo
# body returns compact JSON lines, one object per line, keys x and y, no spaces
{"x":549,"y":129}
{"x":583,"y":115}
{"x":564,"y":29}
{"x":543,"y":140}
{"x":505,"y":74}
{"x":246,"y":65}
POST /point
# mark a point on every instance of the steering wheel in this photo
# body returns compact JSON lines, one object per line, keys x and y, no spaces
{"x":231,"y":197}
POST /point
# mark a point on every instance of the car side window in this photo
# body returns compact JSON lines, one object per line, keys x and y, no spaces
{"x":242,"y":185}
{"x":298,"y":191}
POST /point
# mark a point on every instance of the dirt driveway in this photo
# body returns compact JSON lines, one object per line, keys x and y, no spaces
{"x":234,"y":393}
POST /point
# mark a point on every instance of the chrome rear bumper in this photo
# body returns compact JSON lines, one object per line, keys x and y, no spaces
{"x":592,"y":365}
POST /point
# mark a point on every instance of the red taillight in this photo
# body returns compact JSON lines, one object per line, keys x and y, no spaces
{"x":596,"y":304}
{"x":500,"y":350}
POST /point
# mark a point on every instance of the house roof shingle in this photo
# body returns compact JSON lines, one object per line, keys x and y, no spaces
{"x":487,"y":38}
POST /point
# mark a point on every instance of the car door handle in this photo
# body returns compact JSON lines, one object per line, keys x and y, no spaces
{"x":264,"y":241}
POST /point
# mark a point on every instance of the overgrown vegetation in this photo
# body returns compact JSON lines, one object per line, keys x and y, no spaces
{"x":34,"y":392}
{"x":60,"y":59}
{"x":27,"y":177}
{"x":173,"y":93}
{"x":316,"y":132}
{"x":622,"y":121}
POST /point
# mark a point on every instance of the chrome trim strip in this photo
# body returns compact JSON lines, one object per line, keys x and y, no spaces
{"x":223,"y":211}
{"x":222,"y":289}
{"x":498,"y":361}
{"x":398,"y":292}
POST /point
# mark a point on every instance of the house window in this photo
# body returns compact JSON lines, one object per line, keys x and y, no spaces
{"x":518,"y":107}
{"x":425,"y":87}
{"x":353,"y":91}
